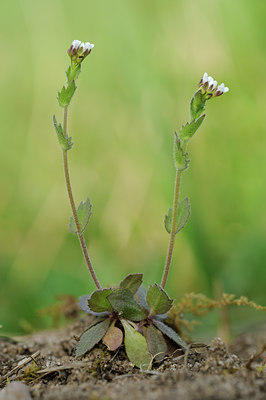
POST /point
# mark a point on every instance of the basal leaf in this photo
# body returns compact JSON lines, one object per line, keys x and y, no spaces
{"x":84,"y":213}
{"x":141,"y":296}
{"x":183,"y":214}
{"x":166,"y":330}
{"x":158,"y":300}
{"x":131,"y":282}
{"x":136,"y":347}
{"x":83,"y":303}
{"x":64,"y":97}
{"x":197,"y":105}
{"x":98,"y":301}
{"x":91,"y":337}
{"x":156,"y":343}
{"x":123,"y":302}
{"x":189,"y":130}
{"x":113,"y":337}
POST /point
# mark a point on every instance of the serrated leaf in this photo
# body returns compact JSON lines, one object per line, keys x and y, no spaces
{"x":65,"y":142}
{"x":91,"y":337}
{"x":64,"y":97}
{"x":84,"y":213}
{"x":183,"y":214}
{"x":166,"y":330}
{"x":141,"y":297}
{"x":123,"y":302}
{"x":136,"y":347}
{"x":83,"y":304}
{"x":113,"y":338}
{"x":156,"y":343}
{"x":189,"y":130}
{"x":197,"y":105}
{"x":131,"y":282}
{"x":98,"y":301}
{"x":181,"y":156}
{"x":158,"y":300}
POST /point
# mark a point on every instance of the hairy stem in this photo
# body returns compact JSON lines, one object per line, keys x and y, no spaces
{"x":74,"y":209}
{"x":173,"y":228}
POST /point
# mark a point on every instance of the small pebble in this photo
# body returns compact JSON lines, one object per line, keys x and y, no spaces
{"x":15,"y":391}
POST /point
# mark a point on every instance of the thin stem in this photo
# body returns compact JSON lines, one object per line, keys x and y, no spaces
{"x":74,"y":210}
{"x":173,"y":229}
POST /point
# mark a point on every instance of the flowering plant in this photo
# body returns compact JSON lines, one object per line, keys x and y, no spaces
{"x":130,"y":313}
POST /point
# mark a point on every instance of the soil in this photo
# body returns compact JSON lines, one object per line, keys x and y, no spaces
{"x":212,"y":372}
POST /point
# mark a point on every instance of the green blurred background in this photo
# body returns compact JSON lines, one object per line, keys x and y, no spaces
{"x":134,"y":91}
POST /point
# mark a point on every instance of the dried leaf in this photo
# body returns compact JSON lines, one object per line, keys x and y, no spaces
{"x":113,"y":337}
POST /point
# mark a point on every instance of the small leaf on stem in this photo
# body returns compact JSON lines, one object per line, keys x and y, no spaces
{"x":183,"y":214}
{"x":136,"y":347}
{"x":113,"y":337}
{"x":64,"y":97}
{"x":156,"y":343}
{"x":197,"y":105}
{"x":131,"y":282}
{"x":173,"y":335}
{"x":188,"y":130}
{"x":84,"y":213}
{"x":181,"y":156}
{"x":158,"y":300}
{"x":65,"y":142}
{"x":123,"y":302}
{"x":98,"y":301}
{"x":91,"y":337}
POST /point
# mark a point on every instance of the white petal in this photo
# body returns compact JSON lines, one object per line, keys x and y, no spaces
{"x":221,"y":88}
{"x":76,"y":43}
{"x":205,"y":78}
{"x":214,"y":84}
{"x":226,"y":89}
{"x":210,"y":81}
{"x":88,"y":46}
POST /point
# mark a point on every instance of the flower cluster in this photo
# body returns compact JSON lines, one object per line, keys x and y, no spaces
{"x":208,"y":84}
{"x":79,"y":50}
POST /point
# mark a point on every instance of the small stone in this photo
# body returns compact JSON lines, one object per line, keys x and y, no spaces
{"x":15,"y":390}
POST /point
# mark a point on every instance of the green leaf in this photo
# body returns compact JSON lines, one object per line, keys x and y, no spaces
{"x":83,"y":304}
{"x":65,"y":142}
{"x":181,"y":156}
{"x":188,"y":130}
{"x":173,"y":335}
{"x":131,"y":282}
{"x":158,"y":300}
{"x":156,"y":343}
{"x":98,"y":301}
{"x":183,"y":214}
{"x":113,"y":338}
{"x":91,"y":337}
{"x":64,"y":97}
{"x":123,"y":302}
{"x":72,"y":74}
{"x":197,"y":105}
{"x":84,"y":213}
{"x":141,"y":297}
{"x":136,"y":347}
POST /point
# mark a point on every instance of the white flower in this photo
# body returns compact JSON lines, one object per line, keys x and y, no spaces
{"x":223,"y":89}
{"x":211,"y":83}
{"x":88,"y":46}
{"x":76,"y":44}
